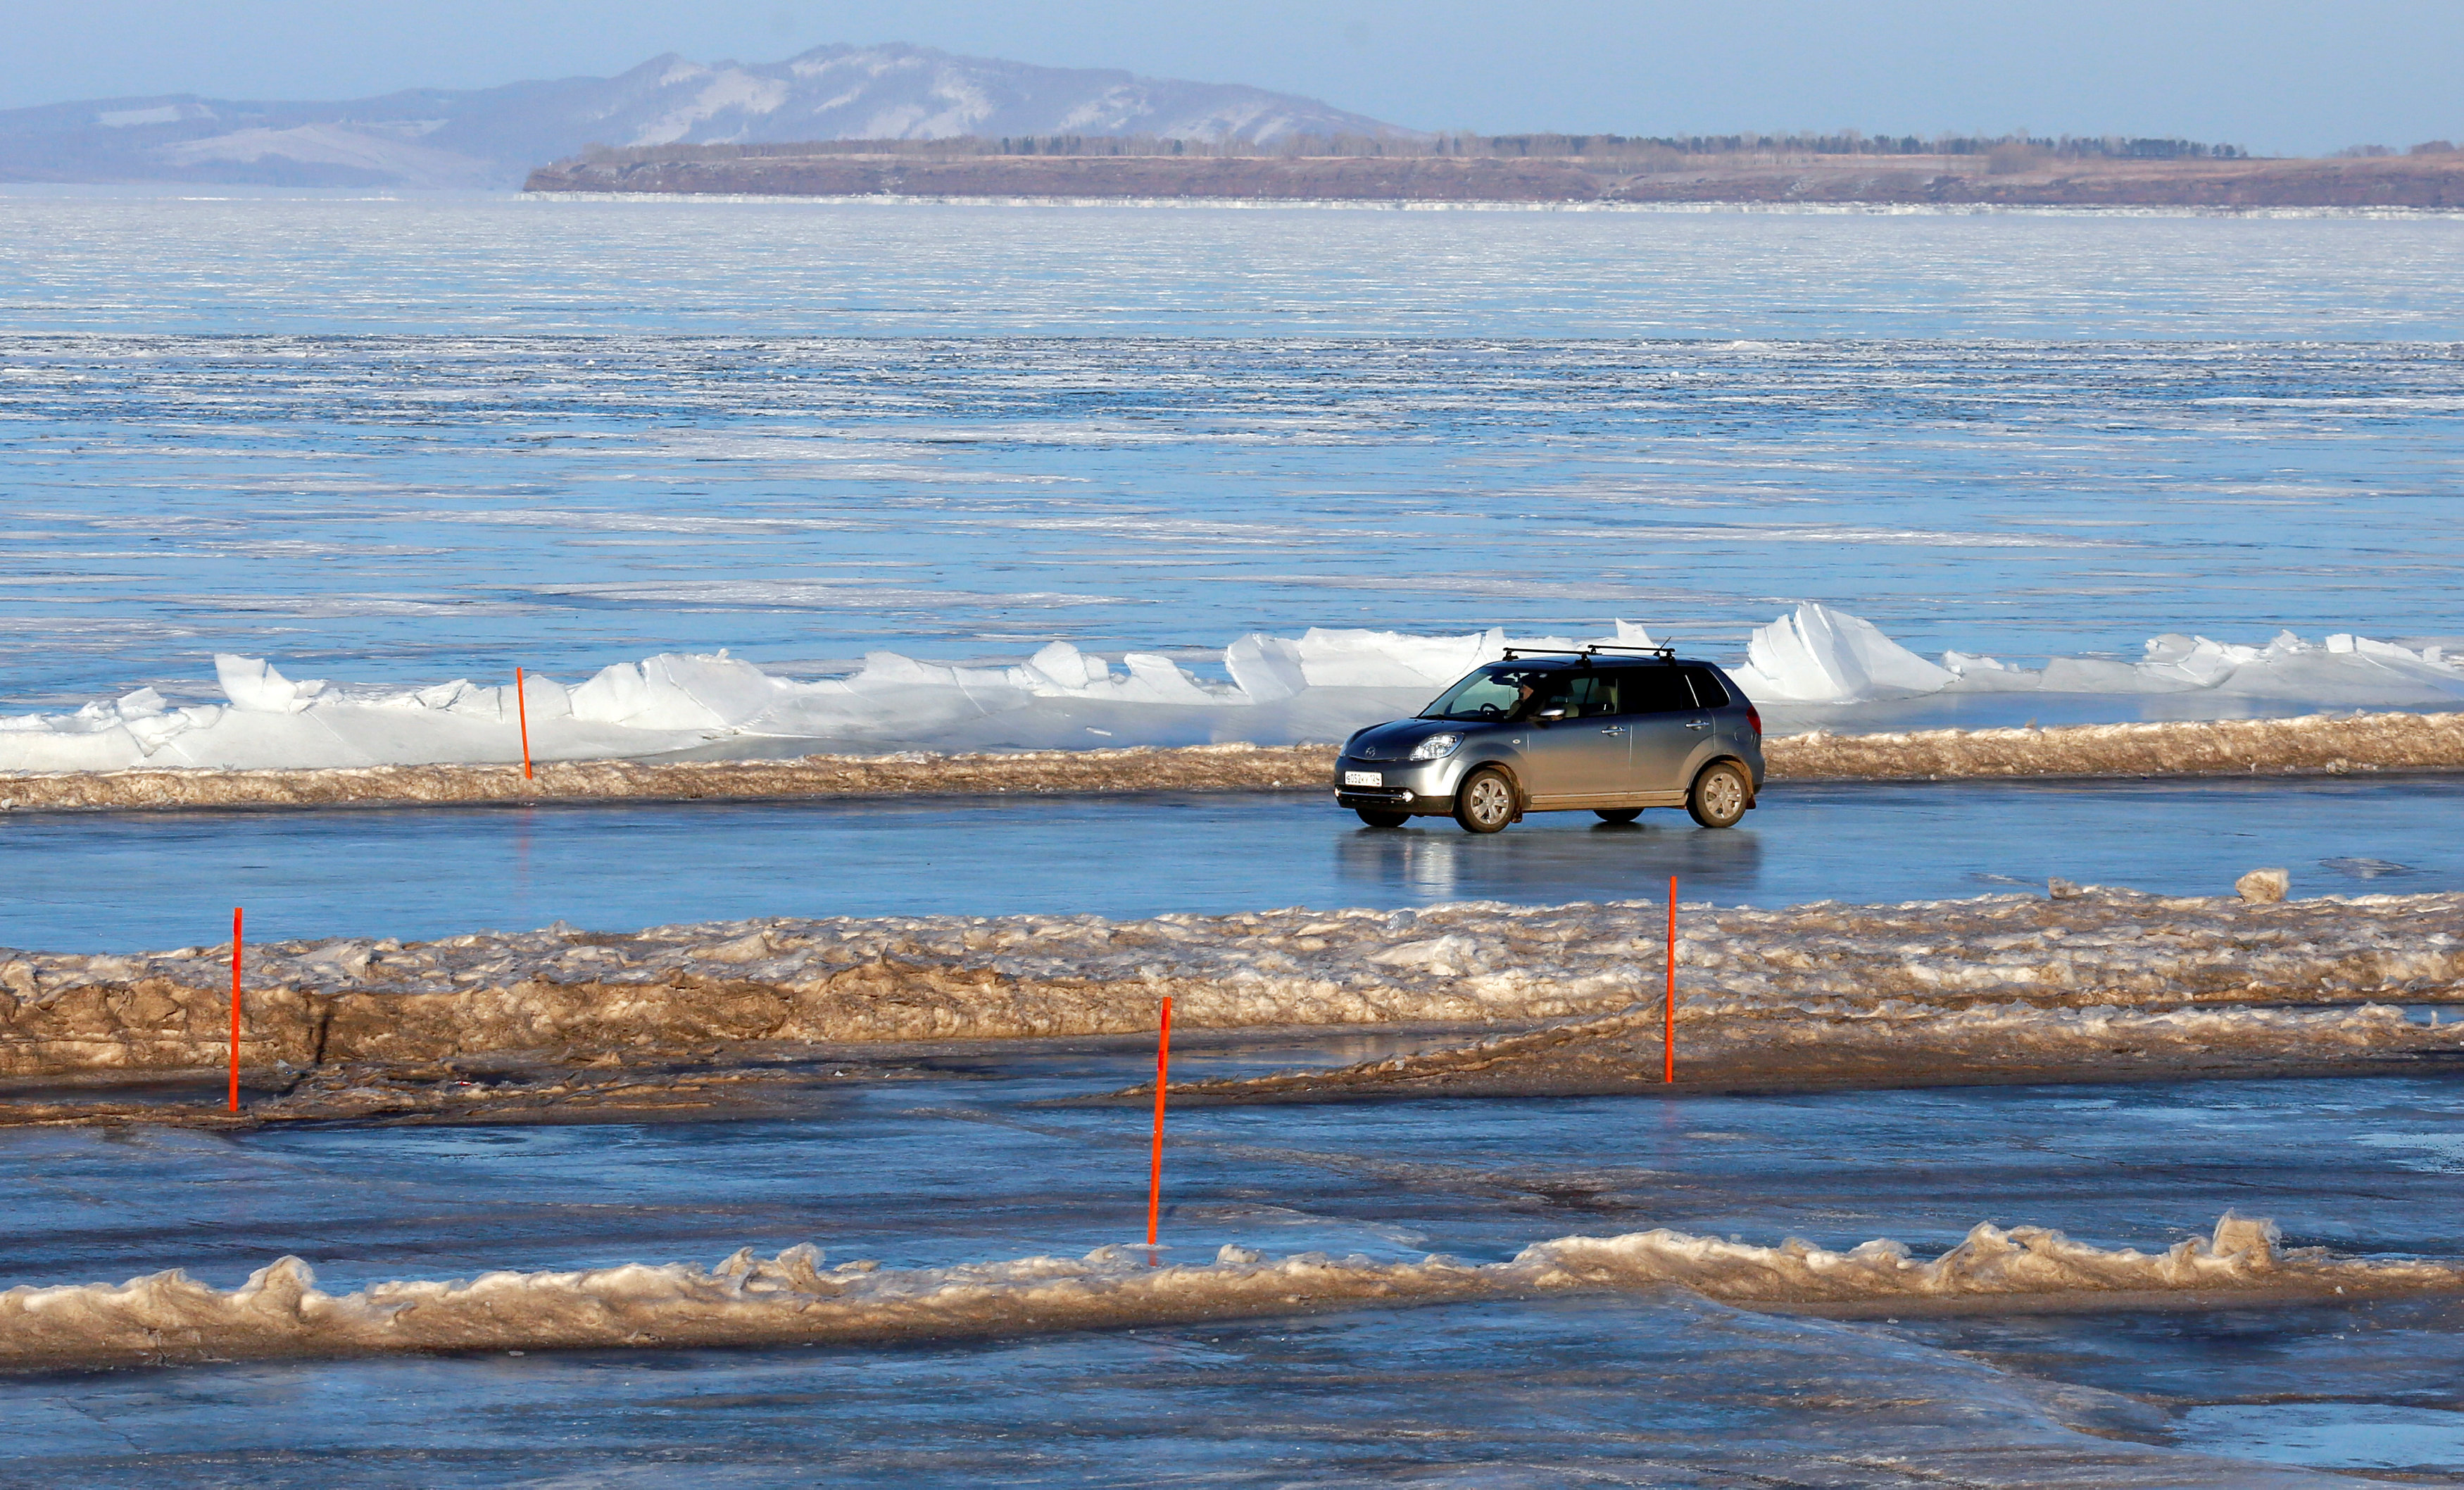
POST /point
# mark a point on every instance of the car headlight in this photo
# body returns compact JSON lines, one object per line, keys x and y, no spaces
{"x":1437,"y":747}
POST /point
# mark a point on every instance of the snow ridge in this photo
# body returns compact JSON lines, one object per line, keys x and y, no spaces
{"x":789,"y":1298}
{"x":1281,"y":690}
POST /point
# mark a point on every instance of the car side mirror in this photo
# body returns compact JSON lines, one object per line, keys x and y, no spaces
{"x":1550,"y":714}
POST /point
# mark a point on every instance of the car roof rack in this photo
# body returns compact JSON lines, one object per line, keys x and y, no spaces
{"x":1666,"y":654}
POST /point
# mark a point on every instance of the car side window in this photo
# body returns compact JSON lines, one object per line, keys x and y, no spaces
{"x":1707,"y":691}
{"x":1581,"y":695}
{"x":1656,"y":690}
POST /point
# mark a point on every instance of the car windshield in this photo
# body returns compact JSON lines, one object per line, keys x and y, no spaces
{"x":1498,"y":691}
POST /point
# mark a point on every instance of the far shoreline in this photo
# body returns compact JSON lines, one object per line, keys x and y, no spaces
{"x":1714,"y":209}
{"x":51,"y":192}
{"x":2005,"y":178}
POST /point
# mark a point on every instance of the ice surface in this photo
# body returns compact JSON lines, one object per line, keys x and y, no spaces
{"x":794,"y":1297}
{"x":809,"y":498}
{"x":1318,"y":686}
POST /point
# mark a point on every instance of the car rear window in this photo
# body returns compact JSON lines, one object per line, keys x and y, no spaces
{"x":1707,"y":691}
{"x":1655,"y":690}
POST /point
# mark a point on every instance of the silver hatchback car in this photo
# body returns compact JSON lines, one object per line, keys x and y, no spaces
{"x":1611,"y":729}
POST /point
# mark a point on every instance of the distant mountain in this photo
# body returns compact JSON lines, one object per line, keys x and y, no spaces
{"x":431,"y":137}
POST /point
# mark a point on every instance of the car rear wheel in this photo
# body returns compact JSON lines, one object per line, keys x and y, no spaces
{"x":1377,"y":819}
{"x":1720,"y":796}
{"x":1616,"y":815}
{"x":1484,"y":802}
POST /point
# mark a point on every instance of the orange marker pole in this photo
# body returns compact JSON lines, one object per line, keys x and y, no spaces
{"x":1155,"y":1164}
{"x":1668,"y":1020}
{"x":522,"y":716}
{"x":235,"y":1040}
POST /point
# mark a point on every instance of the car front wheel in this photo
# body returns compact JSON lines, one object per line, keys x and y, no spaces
{"x":1485,"y":803}
{"x":1720,"y":796}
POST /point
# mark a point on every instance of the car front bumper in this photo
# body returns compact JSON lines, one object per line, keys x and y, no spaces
{"x":1401,"y":785}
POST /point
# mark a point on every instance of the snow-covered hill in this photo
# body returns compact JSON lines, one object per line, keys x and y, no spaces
{"x":490,"y":136}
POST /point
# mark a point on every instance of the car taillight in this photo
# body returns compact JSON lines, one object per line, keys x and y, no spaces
{"x":1755,"y":720}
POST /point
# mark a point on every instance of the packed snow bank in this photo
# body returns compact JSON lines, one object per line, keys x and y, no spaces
{"x":1319,"y":686}
{"x":796,"y":1298}
{"x":2052,"y":970}
{"x":1322,"y":685}
{"x":1816,"y":654}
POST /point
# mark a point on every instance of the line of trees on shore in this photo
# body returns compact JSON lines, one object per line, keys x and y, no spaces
{"x":1642,"y":152}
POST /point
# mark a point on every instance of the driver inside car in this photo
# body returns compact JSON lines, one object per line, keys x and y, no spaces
{"x":1536,"y":696}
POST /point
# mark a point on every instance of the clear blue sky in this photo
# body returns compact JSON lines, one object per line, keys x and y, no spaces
{"x":2278,"y":76}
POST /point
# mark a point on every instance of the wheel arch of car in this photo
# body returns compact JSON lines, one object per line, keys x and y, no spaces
{"x":1744,"y":768}
{"x":1504,"y":768}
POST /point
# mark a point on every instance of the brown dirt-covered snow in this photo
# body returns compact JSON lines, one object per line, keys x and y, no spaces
{"x":797,"y":1297}
{"x":1211,"y":767}
{"x":2333,"y":745}
{"x":2102,"y":983}
{"x":2111,"y":985}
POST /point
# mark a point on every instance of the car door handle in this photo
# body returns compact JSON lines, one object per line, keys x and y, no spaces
{"x":1700,"y":723}
{"x":1613,"y":729}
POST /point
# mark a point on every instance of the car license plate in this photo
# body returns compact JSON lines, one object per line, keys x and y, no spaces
{"x":1363,"y":779}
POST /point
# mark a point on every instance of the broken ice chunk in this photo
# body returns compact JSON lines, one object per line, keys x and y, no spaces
{"x":253,"y":685}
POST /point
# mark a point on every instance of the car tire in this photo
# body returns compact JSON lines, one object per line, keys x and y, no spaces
{"x":1616,"y":815}
{"x":1721,"y":796}
{"x":1377,"y":819}
{"x":1484,"y":802}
